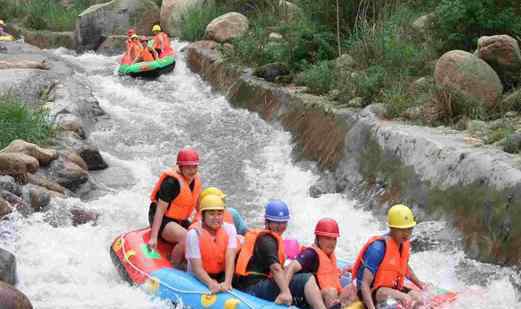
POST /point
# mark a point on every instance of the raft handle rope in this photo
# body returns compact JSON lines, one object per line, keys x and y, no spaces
{"x":171,"y":287}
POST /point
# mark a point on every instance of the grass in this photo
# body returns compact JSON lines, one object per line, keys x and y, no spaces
{"x":196,"y":19}
{"x":17,"y":121}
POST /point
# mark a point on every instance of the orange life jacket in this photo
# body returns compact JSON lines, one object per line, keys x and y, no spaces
{"x":213,"y":248}
{"x":247,"y":251}
{"x":146,"y":55}
{"x":394,"y":267}
{"x":162,"y":42}
{"x":181,"y":207}
{"x":228,"y":217}
{"x":328,"y":274}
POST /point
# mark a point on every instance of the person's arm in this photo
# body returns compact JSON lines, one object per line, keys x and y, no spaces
{"x":158,"y":218}
{"x":202,"y":275}
{"x":412,"y":276}
{"x":292,"y":268}
{"x":365,"y":289}
{"x":231,"y":252}
{"x":279,"y":276}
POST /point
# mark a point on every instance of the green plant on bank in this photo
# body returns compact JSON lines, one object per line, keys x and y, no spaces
{"x":460,"y":23}
{"x":317,"y":77}
{"x":196,"y":18}
{"x":44,"y":14}
{"x":17,"y":121}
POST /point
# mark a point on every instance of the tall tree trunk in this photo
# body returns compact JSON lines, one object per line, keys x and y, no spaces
{"x":338,"y":28}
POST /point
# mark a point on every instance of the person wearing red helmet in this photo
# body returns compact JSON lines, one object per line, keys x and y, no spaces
{"x":173,"y":199}
{"x":320,"y":260}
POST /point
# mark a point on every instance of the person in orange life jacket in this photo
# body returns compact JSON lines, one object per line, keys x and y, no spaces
{"x":130,"y":32}
{"x":320,"y":260}
{"x":259,"y":269}
{"x":231,"y":215}
{"x":383,"y":263}
{"x":149,"y":54}
{"x":161,"y":40}
{"x":211,"y":246}
{"x":173,"y":199}
{"x":135,"y":49}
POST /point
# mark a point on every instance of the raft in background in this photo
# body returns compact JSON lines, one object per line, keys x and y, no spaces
{"x":148,"y":69}
{"x":153,"y":271}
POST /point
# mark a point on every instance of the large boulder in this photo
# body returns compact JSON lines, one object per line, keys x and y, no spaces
{"x":85,"y":149}
{"x":503,"y":54}
{"x":115,"y":17}
{"x":227,"y":27}
{"x":113,"y":45}
{"x":17,"y":165}
{"x":7,"y":267}
{"x":12,"y":298}
{"x":172,"y":12}
{"x":470,"y":77}
{"x":66,"y":173}
{"x":44,"y":156}
{"x":38,"y":197}
{"x":42,"y":181}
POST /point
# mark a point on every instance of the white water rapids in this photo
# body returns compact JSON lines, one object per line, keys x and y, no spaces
{"x":68,"y":267}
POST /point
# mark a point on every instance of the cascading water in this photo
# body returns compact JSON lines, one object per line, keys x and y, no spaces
{"x":69,"y":267}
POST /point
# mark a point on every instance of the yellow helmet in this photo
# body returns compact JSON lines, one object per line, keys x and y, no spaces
{"x":211,"y":202}
{"x":400,"y":217}
{"x":212,"y":191}
{"x":156,"y":28}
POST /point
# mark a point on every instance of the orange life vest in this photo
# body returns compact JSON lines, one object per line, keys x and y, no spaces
{"x":249,"y":245}
{"x":213,"y":248}
{"x":162,"y":42}
{"x":181,"y":207}
{"x":228,"y":217}
{"x":146,"y":55}
{"x":394,"y":267}
{"x":328,"y":274}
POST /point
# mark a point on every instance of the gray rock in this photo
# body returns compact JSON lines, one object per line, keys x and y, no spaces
{"x":12,"y":298}
{"x":17,"y":202}
{"x":82,"y":216}
{"x":5,"y":207}
{"x":227,"y":27}
{"x":86,"y":150}
{"x":66,"y":173}
{"x":8,"y":183}
{"x":270,"y":71}
{"x":512,"y":143}
{"x":7,"y":267}
{"x":36,"y":196}
{"x":70,"y":122}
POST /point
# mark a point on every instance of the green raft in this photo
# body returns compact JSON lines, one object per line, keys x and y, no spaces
{"x":150,"y":68}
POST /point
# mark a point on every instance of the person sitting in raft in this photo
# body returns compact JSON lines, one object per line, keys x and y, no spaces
{"x":259,"y":270}
{"x":130,"y":32}
{"x":173,"y":199}
{"x":231,"y":215}
{"x":211,"y":246}
{"x":149,"y":54}
{"x":140,"y":52}
{"x":320,"y":260}
{"x":161,"y":41}
{"x":383,"y":263}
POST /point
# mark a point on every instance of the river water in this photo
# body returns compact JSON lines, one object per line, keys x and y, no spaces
{"x":251,"y":160}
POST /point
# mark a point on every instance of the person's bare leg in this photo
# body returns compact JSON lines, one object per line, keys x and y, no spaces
{"x":330,"y":296}
{"x":313,"y":295}
{"x":384,"y":293}
{"x":176,"y":234}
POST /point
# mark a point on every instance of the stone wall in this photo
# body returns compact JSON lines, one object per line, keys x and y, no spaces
{"x":438,"y":171}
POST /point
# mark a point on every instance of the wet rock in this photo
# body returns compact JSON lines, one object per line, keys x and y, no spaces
{"x":83,"y":216}
{"x":115,"y":17}
{"x":36,"y":196}
{"x":113,"y":45}
{"x":460,"y":72}
{"x":12,"y":298}
{"x":44,"y":156}
{"x":8,"y":183}
{"x":7,"y":267}
{"x":5,"y":208}
{"x":86,"y":150}
{"x":227,"y":27}
{"x":271,"y":71}
{"x":42,"y":181}
{"x":171,"y":15}
{"x":70,"y":122}
{"x":17,"y":203}
{"x":17,"y":165}
{"x":67,"y":173}
{"x":74,"y":157}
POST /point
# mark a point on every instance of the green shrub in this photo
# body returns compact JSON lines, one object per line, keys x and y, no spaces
{"x":195,"y":20}
{"x":17,"y":121}
{"x":317,"y":77}
{"x":459,"y":23}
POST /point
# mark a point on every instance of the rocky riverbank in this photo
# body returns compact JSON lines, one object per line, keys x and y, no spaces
{"x":31,"y":175}
{"x":441,"y":172}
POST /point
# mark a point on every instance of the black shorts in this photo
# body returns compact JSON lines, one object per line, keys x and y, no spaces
{"x":165,"y":221}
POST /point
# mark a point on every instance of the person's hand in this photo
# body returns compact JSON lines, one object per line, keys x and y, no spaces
{"x":152,"y":244}
{"x":214,"y":287}
{"x":284,"y":299}
{"x":226,"y":286}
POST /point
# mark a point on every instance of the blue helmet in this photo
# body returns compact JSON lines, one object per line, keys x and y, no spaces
{"x":276,"y":210}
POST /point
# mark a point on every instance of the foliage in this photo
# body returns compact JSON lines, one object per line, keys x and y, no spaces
{"x":317,"y":77}
{"x":195,"y":20}
{"x":17,"y":121}
{"x":460,"y":23}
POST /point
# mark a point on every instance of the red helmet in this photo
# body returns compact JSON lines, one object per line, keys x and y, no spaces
{"x":131,"y":31}
{"x":327,"y":227}
{"x":187,"y":156}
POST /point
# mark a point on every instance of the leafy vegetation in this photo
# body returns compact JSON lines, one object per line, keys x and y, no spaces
{"x":17,"y":121}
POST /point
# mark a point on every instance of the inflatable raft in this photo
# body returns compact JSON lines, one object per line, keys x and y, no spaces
{"x":6,"y":37}
{"x":152,"y":270}
{"x":148,"y":69}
